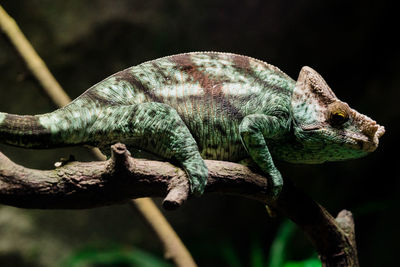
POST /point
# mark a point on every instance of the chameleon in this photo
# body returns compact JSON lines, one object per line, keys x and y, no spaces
{"x":206,"y":105}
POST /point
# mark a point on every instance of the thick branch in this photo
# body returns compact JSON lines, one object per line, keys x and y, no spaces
{"x":84,"y":185}
{"x":78,"y":185}
{"x":332,"y":238}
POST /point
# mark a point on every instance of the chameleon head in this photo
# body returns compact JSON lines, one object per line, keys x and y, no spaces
{"x":325,"y":126}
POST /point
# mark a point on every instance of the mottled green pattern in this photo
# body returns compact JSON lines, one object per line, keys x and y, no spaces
{"x":211,"y":105}
{"x":2,"y":117}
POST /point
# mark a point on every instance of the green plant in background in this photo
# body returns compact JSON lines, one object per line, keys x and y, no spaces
{"x":116,"y":256}
{"x":230,"y":255}
{"x":311,"y":262}
{"x":278,"y":252}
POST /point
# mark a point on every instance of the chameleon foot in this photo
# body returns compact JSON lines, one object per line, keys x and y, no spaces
{"x":197,"y":171}
{"x":276,"y":185}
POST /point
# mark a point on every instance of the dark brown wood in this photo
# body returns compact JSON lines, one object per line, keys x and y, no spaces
{"x":334,"y":239}
{"x":79,"y":185}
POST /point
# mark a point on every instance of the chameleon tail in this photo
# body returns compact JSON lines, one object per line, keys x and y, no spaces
{"x":66,"y":126}
{"x":24,"y":131}
{"x":56,"y":129}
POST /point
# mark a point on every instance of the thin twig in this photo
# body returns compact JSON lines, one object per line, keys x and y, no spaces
{"x":33,"y":61}
{"x":172,"y":244}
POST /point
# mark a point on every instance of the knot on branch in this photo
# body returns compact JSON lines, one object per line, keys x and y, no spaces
{"x":346,"y":222}
{"x":121,"y":160}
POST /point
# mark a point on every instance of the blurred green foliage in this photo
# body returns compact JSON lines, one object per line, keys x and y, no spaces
{"x":278,"y":251}
{"x":113,"y":256}
{"x":117,"y":256}
{"x":312,"y":262}
{"x":278,"y":255}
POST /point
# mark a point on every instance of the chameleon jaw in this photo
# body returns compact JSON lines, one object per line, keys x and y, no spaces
{"x":372,"y":144}
{"x":368,"y":140}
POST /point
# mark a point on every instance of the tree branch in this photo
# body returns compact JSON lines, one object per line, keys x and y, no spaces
{"x":79,"y":185}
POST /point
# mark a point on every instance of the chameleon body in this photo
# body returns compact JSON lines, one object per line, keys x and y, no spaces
{"x":206,"y":105}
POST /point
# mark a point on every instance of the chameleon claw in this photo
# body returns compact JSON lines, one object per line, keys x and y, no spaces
{"x":197,"y":187}
{"x":197,"y":174}
{"x":276,"y":185}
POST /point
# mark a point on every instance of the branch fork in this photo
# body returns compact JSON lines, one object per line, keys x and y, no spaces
{"x":122,"y":164}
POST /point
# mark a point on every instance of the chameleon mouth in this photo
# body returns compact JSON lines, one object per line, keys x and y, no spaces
{"x":311,"y":127}
{"x":368,"y":140}
{"x":370,"y":131}
{"x":374,"y":139}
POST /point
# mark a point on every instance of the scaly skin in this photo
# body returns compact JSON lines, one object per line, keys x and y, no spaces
{"x":210,"y":105}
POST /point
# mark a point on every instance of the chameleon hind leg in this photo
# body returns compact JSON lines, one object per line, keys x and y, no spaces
{"x":158,"y":129}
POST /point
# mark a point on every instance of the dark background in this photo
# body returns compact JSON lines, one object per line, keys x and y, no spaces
{"x":352,"y":44}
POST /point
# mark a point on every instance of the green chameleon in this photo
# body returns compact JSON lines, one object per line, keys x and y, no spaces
{"x":206,"y":105}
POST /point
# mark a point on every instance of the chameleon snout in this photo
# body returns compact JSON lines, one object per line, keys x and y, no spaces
{"x":373,"y":132}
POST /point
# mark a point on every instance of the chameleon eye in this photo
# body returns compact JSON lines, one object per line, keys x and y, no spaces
{"x":338,"y":113}
{"x":338,"y":117}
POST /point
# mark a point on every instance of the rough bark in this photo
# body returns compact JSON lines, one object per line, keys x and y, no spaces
{"x":78,"y":185}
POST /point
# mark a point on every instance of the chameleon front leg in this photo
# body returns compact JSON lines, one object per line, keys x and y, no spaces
{"x":156,"y":128}
{"x":254,"y":129}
